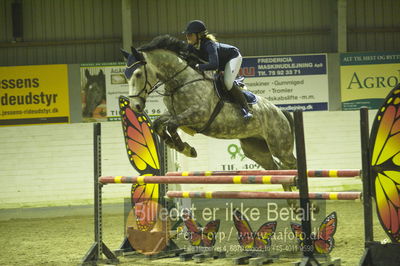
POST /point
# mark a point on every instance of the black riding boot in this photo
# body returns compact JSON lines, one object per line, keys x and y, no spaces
{"x":240,"y":99}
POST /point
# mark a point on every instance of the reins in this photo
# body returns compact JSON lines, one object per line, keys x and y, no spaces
{"x":159,"y":84}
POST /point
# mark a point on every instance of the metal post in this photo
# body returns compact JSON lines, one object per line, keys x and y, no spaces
{"x":367,"y":194}
{"x":308,"y":248}
{"x":98,"y":248}
{"x":98,"y":238}
{"x":163,"y":169}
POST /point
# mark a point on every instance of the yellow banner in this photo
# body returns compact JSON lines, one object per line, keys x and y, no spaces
{"x":34,"y":95}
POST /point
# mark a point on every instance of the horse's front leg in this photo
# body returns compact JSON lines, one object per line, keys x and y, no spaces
{"x":171,"y":137}
{"x":186,"y":118}
{"x":160,"y":127}
{"x":182,"y":147}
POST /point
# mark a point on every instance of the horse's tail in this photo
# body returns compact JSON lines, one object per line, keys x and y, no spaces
{"x":290,"y":119}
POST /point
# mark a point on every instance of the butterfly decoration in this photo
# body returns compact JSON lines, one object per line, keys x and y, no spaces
{"x":141,"y":146}
{"x":385,"y":164}
{"x":198,"y":235}
{"x":323,"y":241}
{"x":250,"y":240}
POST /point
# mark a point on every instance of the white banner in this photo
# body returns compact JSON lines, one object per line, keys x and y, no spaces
{"x":116,"y":85}
{"x":290,"y":81}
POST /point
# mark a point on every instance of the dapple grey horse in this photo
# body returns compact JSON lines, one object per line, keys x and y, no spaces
{"x":190,"y":98}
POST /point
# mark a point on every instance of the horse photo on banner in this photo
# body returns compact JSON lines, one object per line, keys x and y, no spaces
{"x":101,"y":86}
{"x":93,"y":93}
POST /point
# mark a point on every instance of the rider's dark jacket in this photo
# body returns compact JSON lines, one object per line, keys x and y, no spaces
{"x":216,"y":54}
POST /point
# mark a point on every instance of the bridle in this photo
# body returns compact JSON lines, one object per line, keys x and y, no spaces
{"x":159,"y":83}
{"x":147,"y":82}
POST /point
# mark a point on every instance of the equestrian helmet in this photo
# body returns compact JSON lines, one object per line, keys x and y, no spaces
{"x":195,"y":26}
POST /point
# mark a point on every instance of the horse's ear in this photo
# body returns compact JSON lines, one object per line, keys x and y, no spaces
{"x":137,"y":54}
{"x":125,"y":53}
{"x":87,"y":73}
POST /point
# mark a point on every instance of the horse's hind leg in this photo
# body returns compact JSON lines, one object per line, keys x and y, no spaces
{"x":287,"y":162}
{"x":284,"y":153}
{"x":258,"y":151}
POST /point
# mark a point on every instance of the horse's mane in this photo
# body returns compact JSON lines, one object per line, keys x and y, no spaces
{"x":172,"y":44}
{"x":166,"y":42}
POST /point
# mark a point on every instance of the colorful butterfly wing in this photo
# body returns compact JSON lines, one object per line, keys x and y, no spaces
{"x":385,"y":163}
{"x":210,"y":233}
{"x":145,"y":201}
{"x":141,"y":146}
{"x":298,"y":232}
{"x":140,"y":141}
{"x":194,"y":229}
{"x":323,"y":241}
{"x":245,"y":234}
{"x":328,"y":226}
{"x":263,"y":236}
{"x":323,"y":246}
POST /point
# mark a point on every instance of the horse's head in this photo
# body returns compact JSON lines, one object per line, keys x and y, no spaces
{"x":95,"y":91}
{"x":140,"y":77}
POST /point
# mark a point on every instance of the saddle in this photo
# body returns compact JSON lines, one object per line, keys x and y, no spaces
{"x":219,"y":84}
{"x":225,"y":96}
{"x":223,"y":93}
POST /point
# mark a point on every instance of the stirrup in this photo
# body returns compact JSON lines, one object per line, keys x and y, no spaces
{"x":246,"y":114}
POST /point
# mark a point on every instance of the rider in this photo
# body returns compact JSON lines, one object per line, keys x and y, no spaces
{"x":218,"y":56}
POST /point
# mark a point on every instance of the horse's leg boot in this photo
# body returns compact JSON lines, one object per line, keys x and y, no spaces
{"x":240,"y":99}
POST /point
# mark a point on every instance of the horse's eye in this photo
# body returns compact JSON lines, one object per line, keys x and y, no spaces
{"x":138,"y":75}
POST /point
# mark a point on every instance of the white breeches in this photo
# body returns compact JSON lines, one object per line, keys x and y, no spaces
{"x":231,"y":70}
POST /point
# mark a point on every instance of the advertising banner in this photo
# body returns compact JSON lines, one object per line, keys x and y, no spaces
{"x":290,"y":81}
{"x":34,"y":94}
{"x":102,"y":84}
{"x":366,"y":78}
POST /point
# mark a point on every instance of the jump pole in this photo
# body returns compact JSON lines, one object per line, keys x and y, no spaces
{"x":310,"y":173}
{"x":263,"y":195}
{"x":224,"y":179}
{"x":98,"y":248}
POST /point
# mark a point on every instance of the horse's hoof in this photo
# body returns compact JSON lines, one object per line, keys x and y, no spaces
{"x":189,"y":151}
{"x":193,"y":152}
